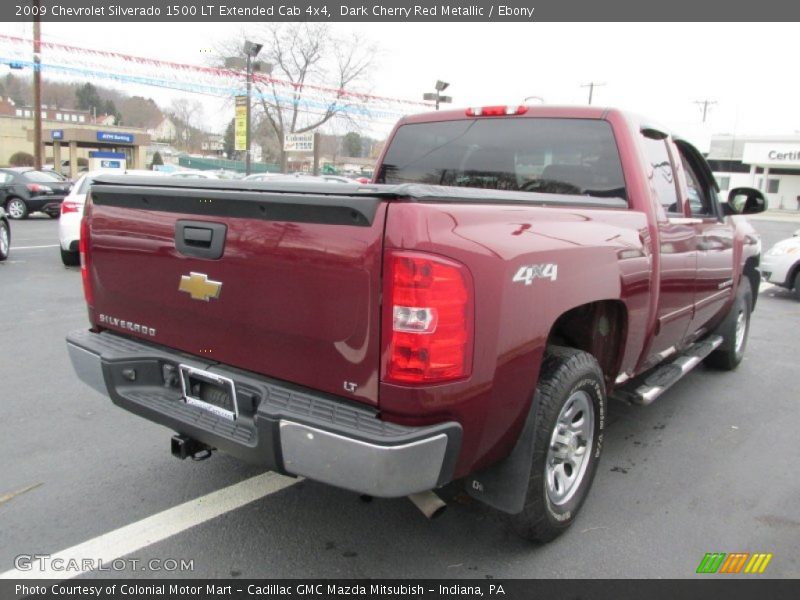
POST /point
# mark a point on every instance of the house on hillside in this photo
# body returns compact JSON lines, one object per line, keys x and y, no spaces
{"x":105,"y":120}
{"x":165,"y":131}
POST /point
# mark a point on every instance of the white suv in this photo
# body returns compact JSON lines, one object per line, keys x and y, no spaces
{"x":69,"y":225}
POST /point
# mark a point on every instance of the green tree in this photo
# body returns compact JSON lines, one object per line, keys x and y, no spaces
{"x":21,"y":159}
{"x":229,"y":139}
{"x":87,"y":98}
{"x":351,"y":144}
{"x":157,"y":160}
{"x":110,"y":109}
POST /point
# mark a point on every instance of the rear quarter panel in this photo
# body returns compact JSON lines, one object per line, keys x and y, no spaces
{"x":600,"y":254}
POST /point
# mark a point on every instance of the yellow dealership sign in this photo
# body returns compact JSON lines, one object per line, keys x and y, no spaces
{"x":240,"y":124}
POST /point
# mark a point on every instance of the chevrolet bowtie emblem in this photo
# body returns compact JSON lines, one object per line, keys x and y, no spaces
{"x":199,"y":286}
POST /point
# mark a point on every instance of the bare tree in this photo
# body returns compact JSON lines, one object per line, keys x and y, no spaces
{"x":185,"y":113}
{"x":313,"y":80}
{"x":140,"y":112}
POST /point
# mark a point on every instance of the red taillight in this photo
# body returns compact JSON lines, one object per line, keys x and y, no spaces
{"x":428,"y":307}
{"x":67,"y":206}
{"x":34,"y":187}
{"x":496,"y":111}
{"x":86,"y":261}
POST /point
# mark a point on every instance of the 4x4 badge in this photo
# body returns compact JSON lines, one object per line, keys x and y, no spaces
{"x":199,"y":286}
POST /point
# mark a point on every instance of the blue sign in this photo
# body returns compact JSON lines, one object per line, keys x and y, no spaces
{"x":110,"y":164}
{"x":56,"y":134}
{"x":101,"y":154}
{"x":110,"y":136}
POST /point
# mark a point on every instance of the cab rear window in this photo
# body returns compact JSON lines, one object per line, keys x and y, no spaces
{"x":552,"y":156}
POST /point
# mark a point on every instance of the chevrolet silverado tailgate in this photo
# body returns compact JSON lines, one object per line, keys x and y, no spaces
{"x":282,"y":280}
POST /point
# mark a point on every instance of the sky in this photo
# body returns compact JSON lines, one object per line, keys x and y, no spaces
{"x":656,"y":69}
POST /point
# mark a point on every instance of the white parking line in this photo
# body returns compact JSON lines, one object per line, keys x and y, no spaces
{"x":765,"y":285}
{"x":33,"y":247}
{"x":150,"y":530}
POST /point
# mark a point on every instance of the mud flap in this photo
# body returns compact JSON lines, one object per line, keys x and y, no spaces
{"x":504,"y":485}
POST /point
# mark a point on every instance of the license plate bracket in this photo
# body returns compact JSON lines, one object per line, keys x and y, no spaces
{"x":209,"y":391}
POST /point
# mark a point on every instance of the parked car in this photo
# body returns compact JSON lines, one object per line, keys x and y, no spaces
{"x":69,"y":226}
{"x":391,"y":338}
{"x":24,"y":190}
{"x":193,"y":174}
{"x":264,"y":176}
{"x":5,"y":235}
{"x":295,"y":177}
{"x":781,"y":264}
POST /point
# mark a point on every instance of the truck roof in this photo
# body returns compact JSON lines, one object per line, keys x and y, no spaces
{"x":545,"y":111}
{"x":634,"y":120}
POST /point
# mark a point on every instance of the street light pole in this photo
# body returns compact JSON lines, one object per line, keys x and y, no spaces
{"x":251,"y":50}
{"x":437,"y":97}
{"x":249,"y":68}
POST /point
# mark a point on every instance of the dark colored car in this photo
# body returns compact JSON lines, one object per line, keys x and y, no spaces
{"x":5,"y":235}
{"x":24,"y":190}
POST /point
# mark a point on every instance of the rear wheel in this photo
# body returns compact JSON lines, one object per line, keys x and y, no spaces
{"x":16,"y":208}
{"x":69,"y":258}
{"x":570,"y":412}
{"x":5,"y":240}
{"x":734,"y":330}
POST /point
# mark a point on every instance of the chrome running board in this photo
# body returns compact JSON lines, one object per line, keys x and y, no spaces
{"x":662,"y":377}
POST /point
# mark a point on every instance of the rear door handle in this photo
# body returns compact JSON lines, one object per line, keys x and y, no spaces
{"x":198,"y":236}
{"x":200,"y":239}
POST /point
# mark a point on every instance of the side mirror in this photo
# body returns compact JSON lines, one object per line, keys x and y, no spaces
{"x":745,"y":201}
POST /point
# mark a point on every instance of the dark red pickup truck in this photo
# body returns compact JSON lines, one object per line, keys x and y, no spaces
{"x":466,"y":316}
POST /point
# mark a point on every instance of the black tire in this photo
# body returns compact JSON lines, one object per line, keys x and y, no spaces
{"x":5,"y":240}
{"x":16,"y":208}
{"x":566,"y":374}
{"x":69,"y":258}
{"x":53,"y":215}
{"x":729,"y":354}
{"x":796,"y":285}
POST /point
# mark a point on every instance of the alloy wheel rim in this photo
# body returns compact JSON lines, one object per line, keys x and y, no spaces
{"x":741,"y":329}
{"x":15,"y":208}
{"x":570,"y":446}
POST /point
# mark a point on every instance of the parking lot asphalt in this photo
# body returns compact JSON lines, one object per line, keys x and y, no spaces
{"x":709,"y":467}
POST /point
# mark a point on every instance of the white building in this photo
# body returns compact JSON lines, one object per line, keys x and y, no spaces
{"x":769,"y":163}
{"x":165,"y":131}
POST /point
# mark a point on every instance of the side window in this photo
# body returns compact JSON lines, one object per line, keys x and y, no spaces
{"x":661,"y":175}
{"x":699,"y":202}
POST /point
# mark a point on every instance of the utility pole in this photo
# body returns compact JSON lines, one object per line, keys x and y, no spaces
{"x":37,"y":88}
{"x":591,"y":85}
{"x":705,"y":104}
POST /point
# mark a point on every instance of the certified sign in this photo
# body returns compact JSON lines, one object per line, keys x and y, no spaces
{"x":771,"y":154}
{"x":298,"y":142}
{"x":56,"y":134}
